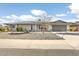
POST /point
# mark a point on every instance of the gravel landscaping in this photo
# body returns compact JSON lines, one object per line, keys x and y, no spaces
{"x":32,"y":35}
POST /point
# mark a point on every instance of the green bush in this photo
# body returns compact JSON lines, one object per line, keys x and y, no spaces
{"x":0,"y":30}
{"x":19,"y":29}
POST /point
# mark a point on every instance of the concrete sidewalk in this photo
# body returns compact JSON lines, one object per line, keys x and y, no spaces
{"x":34,"y":44}
{"x":36,"y":48}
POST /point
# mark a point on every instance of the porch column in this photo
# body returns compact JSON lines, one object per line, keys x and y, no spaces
{"x":50,"y":28}
{"x":34,"y":28}
{"x":68,"y":27}
{"x":14,"y":28}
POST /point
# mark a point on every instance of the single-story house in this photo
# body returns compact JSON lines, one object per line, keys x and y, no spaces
{"x":57,"y":26}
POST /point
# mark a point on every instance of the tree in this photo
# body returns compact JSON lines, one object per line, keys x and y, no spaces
{"x":45,"y":22}
{"x":42,"y":17}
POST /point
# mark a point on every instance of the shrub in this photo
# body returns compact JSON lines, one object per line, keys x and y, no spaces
{"x":19,"y":29}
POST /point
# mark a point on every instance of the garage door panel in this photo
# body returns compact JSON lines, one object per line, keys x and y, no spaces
{"x":59,"y":27}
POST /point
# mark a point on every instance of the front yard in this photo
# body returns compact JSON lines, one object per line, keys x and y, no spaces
{"x":31,"y":35}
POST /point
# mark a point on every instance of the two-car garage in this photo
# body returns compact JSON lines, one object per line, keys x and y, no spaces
{"x":59,"y":28}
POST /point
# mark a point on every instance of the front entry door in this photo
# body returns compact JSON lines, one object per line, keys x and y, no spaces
{"x":43,"y":28}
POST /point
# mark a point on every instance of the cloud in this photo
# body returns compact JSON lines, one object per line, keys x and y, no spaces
{"x":8,"y":17}
{"x":54,"y":18}
{"x":60,"y":15}
{"x":11,"y":17}
{"x":77,"y":16}
{"x":66,"y":20}
{"x":73,"y":20}
{"x":39,"y":12}
{"x":74,"y":7}
{"x":27,"y":18}
{"x":14,"y":18}
{"x":3,"y":20}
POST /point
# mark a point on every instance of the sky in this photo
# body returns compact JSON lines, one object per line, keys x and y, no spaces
{"x":12,"y":12}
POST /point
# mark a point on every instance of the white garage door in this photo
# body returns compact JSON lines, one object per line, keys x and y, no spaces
{"x":59,"y":28}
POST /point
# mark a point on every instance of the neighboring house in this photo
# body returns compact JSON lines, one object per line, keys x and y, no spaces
{"x":4,"y":28}
{"x":57,"y":26}
{"x":73,"y":27}
{"x":77,"y":23}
